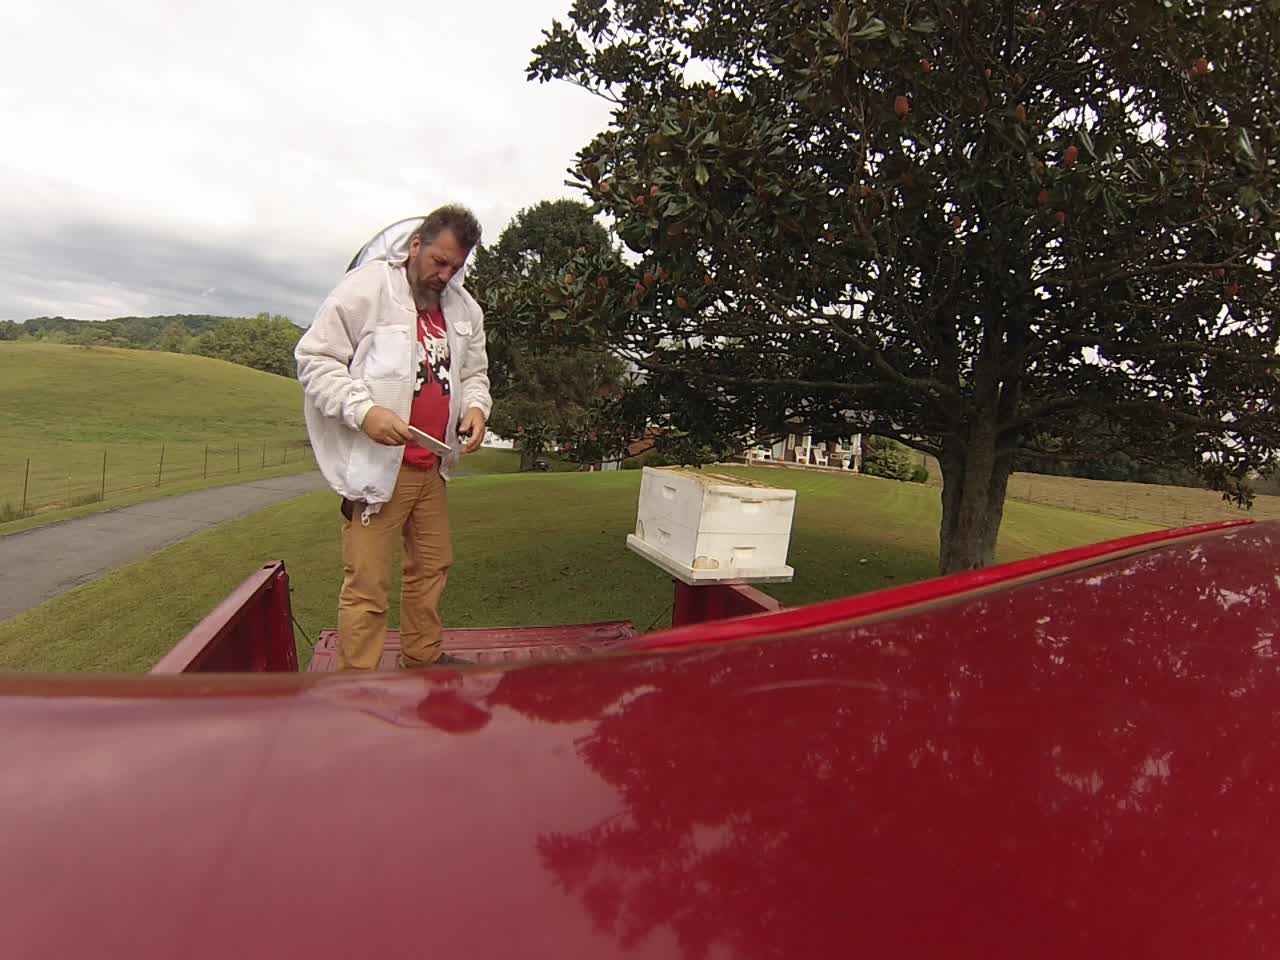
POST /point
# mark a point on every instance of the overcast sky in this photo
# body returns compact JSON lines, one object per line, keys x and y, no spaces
{"x":230,"y":158}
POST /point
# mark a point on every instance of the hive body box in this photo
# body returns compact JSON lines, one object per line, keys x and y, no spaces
{"x":702,"y":527}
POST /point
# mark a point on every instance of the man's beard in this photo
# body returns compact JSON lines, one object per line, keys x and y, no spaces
{"x":424,"y":298}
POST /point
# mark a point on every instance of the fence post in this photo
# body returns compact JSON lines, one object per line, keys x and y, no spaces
{"x":102,"y":493}
{"x":160,"y":472}
{"x":237,"y":458}
{"x":25,"y":479}
{"x":206,"y":461}
{"x":264,"y":455}
{"x":284,"y":456}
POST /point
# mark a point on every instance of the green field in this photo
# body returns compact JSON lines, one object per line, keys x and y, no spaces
{"x":531,"y":549}
{"x":88,"y":428}
{"x":489,"y":461}
{"x":1158,"y":505}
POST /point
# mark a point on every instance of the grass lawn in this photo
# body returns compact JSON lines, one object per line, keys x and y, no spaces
{"x":489,"y":460}
{"x":1151,"y":503}
{"x":531,"y":549}
{"x":1158,"y":505}
{"x":69,"y":407}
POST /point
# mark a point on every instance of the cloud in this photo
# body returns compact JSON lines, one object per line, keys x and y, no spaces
{"x":93,"y":269}
{"x":168,"y":158}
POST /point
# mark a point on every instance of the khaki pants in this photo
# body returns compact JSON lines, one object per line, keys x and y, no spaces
{"x":418,"y":511}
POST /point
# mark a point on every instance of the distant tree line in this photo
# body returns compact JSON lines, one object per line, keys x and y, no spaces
{"x":1116,"y":465}
{"x":264,"y":342}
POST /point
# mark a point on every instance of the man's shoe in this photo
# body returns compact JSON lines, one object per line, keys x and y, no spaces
{"x":444,"y":660}
{"x":449,"y":660}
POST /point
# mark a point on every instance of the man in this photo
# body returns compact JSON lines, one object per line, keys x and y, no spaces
{"x":398,"y":342}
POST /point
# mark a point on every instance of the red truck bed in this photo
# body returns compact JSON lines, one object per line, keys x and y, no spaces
{"x":495,"y":647}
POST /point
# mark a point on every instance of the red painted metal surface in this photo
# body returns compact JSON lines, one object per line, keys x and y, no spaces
{"x":505,"y":646}
{"x":898,"y":599}
{"x":251,"y":631}
{"x":1079,"y":764}
{"x":708,"y":602}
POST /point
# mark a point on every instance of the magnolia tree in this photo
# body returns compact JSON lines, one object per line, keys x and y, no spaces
{"x":982,"y":230}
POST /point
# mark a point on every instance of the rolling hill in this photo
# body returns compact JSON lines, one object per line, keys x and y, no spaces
{"x":69,"y":407}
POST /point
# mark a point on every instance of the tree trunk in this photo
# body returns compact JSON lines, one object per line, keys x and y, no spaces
{"x":528,"y":454}
{"x":975,"y":479}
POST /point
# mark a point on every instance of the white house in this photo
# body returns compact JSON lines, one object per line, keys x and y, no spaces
{"x":799,"y":447}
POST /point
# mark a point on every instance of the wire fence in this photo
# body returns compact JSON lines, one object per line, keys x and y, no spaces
{"x":59,"y":476}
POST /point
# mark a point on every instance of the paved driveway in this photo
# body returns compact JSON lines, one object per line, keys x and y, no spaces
{"x":42,"y":563}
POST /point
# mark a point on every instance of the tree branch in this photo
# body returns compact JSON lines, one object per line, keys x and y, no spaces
{"x":925,"y":385}
{"x":1247,"y":424}
{"x":1151,"y":270}
{"x":1125,"y":351}
{"x":920,"y":446}
{"x":828,"y":386}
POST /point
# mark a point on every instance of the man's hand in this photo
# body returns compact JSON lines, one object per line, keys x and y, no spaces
{"x":473,"y":426}
{"x":383,"y":426}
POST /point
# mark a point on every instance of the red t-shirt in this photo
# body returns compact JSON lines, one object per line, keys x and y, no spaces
{"x":430,"y":410}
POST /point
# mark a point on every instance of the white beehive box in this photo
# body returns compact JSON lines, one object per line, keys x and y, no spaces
{"x":702,"y":527}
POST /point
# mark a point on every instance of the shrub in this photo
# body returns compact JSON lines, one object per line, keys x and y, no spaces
{"x":885,"y":458}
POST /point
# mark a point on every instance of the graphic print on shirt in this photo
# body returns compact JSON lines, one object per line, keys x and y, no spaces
{"x":431,"y":388}
{"x":432,"y":358}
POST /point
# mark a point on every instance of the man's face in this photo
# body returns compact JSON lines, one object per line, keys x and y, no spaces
{"x":431,"y":266}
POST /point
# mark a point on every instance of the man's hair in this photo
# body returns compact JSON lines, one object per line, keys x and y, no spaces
{"x":454,"y":217}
